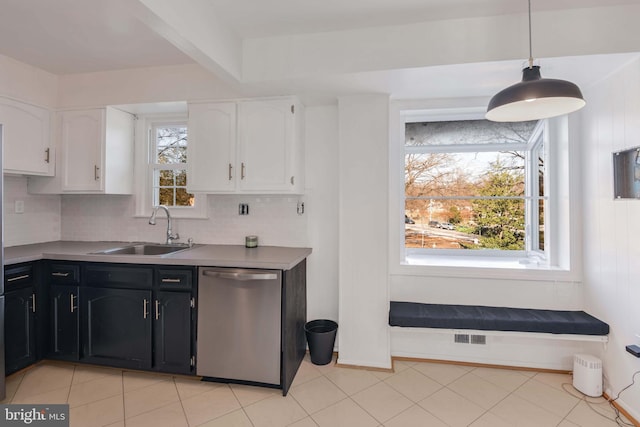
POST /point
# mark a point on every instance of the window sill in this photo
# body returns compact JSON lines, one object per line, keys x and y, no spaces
{"x":480,"y":267}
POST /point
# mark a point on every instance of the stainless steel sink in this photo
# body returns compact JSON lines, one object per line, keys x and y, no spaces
{"x":145,"y":249}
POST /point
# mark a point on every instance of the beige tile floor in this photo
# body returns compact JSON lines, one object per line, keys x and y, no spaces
{"x":417,"y":394}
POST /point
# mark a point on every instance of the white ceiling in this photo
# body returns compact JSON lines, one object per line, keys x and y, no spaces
{"x":259,"y":18}
{"x":79,"y":36}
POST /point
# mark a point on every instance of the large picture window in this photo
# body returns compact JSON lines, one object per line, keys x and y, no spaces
{"x":474,"y":186}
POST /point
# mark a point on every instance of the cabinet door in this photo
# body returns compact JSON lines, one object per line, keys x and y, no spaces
{"x":211,"y":150}
{"x":82,"y":142}
{"x":19,"y":329}
{"x":64,"y":325}
{"x":117,"y":327}
{"x":172,"y":332}
{"x":25,"y":138}
{"x":266,"y":144}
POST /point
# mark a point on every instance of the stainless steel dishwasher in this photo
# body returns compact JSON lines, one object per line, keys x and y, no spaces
{"x":239,"y":324}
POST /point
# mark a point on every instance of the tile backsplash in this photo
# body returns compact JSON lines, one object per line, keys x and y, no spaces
{"x":40,"y":221}
{"x":274,"y":219}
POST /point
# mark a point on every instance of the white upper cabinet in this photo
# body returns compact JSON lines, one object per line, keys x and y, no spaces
{"x":26,"y":137}
{"x":211,"y":155}
{"x":267,"y":146}
{"x":82,"y":140}
{"x":251,"y":147}
{"x":96,"y":149}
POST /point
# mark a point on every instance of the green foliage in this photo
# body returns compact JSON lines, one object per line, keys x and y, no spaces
{"x":500,"y":222}
{"x":455,"y":217}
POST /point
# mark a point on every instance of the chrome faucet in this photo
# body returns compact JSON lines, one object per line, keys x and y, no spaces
{"x":170,"y":237}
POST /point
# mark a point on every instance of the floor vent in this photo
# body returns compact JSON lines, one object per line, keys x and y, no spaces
{"x":470,"y":339}
{"x":461,"y":338}
{"x":478,"y":339}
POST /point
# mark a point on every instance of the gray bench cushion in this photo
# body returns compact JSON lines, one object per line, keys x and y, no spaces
{"x":484,"y":318}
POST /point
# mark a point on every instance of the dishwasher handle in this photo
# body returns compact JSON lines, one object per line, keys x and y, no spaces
{"x":240,"y":276}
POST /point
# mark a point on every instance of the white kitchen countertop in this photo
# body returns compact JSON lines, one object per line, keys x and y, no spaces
{"x":269,"y":257}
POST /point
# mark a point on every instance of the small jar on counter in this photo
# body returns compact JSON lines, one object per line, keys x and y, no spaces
{"x":251,"y":241}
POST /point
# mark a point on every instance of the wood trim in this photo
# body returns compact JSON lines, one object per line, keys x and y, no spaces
{"x":482,"y":365}
{"x":622,"y":410}
{"x":447,"y":362}
{"x":366,"y":368}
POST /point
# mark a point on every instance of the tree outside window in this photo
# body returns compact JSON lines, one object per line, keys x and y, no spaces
{"x":474,"y":184}
{"x":169,"y":161}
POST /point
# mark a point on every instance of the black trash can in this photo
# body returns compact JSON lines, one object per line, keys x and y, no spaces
{"x":321,"y":335}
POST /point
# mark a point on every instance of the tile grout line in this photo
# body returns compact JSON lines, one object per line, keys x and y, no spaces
{"x":507,"y":396}
{"x":184,"y":412}
{"x":73,"y":374}
{"x":17,"y":388}
{"x":124,"y":407}
{"x":242,"y":406}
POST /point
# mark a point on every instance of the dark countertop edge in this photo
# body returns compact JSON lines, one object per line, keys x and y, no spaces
{"x":171,"y":259}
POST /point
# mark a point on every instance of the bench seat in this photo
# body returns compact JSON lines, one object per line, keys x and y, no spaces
{"x":485,"y":318}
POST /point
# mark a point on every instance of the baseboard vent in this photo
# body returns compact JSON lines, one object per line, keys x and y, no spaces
{"x":461,"y":338}
{"x":470,"y":339}
{"x":478,"y":339}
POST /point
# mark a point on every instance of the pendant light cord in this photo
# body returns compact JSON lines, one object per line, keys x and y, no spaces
{"x":530,"y":48}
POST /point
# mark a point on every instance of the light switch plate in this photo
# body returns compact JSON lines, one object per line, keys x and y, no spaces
{"x":19,"y":206}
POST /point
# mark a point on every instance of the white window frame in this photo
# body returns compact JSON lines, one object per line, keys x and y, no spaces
{"x":561,"y":254}
{"x":145,"y":146}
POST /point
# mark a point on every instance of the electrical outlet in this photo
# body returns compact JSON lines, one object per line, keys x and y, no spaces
{"x":243,"y":209}
{"x":19,"y":206}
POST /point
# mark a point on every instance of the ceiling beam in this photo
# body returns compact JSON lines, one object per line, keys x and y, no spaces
{"x":195,"y":29}
{"x":556,"y":33}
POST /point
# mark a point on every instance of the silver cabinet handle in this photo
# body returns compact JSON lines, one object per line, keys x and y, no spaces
{"x":157,"y":309}
{"x":242,"y":170}
{"x":230,"y":174}
{"x":33,"y":302}
{"x":72,"y":305}
{"x":169,"y":280}
{"x":47,"y":153}
{"x":240,"y":276}
{"x":59,"y":274}
{"x":96,"y":172}
{"x":13,"y":279}
{"x":144,"y":308}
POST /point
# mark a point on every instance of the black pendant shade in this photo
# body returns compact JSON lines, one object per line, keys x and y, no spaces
{"x":534,"y":98}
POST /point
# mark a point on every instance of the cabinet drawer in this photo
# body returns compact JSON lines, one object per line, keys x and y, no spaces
{"x":19,"y":276}
{"x":118,"y":276}
{"x":172,"y":278}
{"x":63,"y":274}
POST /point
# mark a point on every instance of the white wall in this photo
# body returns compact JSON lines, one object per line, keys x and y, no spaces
{"x":157,"y":84}
{"x":321,"y":149}
{"x":28,"y":84}
{"x":611,"y":227}
{"x":363,"y":222}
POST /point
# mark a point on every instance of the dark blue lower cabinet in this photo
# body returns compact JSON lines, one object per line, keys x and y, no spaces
{"x":19,"y":329}
{"x":64,"y":327}
{"x":173,"y":316}
{"x":117,"y":327}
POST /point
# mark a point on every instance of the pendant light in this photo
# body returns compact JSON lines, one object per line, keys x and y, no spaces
{"x":534,"y":98}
